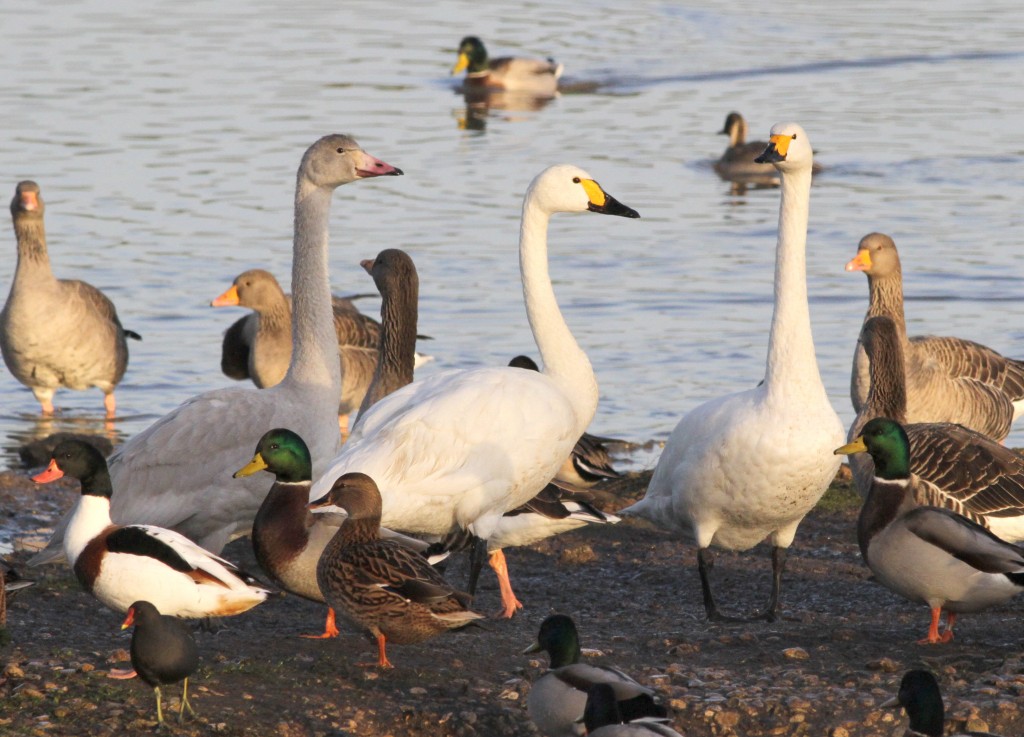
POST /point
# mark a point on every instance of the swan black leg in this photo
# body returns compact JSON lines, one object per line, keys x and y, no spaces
{"x":477,"y":556}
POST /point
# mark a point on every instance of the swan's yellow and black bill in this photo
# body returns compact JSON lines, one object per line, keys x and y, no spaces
{"x":604,"y":203}
{"x":778,"y":146}
{"x":860,"y":262}
{"x":857,"y":446}
{"x":256,"y":464}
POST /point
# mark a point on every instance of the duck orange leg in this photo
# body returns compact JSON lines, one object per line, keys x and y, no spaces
{"x":933,"y":630}
{"x":330,"y":628}
{"x":947,"y":634}
{"x":110,"y":405}
{"x":382,"y":656}
{"x":509,"y":602}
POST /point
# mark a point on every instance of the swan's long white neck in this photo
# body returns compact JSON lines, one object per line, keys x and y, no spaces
{"x":564,"y":361}
{"x":90,"y":517}
{"x":791,"y":360}
{"x":315,"y":344}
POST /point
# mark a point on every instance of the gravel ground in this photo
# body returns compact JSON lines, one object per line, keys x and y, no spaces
{"x":824,"y":669}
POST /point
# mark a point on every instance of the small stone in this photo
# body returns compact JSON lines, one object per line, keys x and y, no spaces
{"x":418,"y":691}
{"x":976,"y":724}
{"x":796,"y":653}
{"x":839,"y":732}
{"x":13,"y":671}
{"x":886,"y":665}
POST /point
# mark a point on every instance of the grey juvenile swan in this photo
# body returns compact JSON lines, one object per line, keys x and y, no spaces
{"x":177,"y":472}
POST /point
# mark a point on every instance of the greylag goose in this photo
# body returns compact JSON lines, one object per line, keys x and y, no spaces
{"x":948,"y":379}
{"x":510,"y":73}
{"x":716,"y":478}
{"x":926,"y":554}
{"x":269,"y":344}
{"x":457,"y":450}
{"x":958,"y":468}
{"x":57,"y":332}
{"x":173,"y":473}
{"x":163,"y":652}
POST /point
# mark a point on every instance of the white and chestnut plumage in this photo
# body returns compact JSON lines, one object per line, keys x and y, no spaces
{"x":750,"y":465}
{"x":511,"y":73}
{"x":119,"y":564}
{"x":947,"y":379}
{"x":459,"y":449}
{"x":379,"y":584}
{"x":927,"y":554}
{"x":163,"y":652}
{"x":173,"y":474}
{"x":557,"y":699}
{"x":920,"y":697}
{"x":958,"y":468}
{"x":57,"y":332}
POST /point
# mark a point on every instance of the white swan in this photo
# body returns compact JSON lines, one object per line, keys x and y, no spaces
{"x":750,"y":465}
{"x":176,"y":473}
{"x":460,"y":448}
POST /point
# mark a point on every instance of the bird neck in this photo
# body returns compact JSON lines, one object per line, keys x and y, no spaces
{"x":314,"y":342}
{"x":887,"y":499}
{"x":791,"y":361}
{"x":359,"y":531}
{"x":885,"y":299}
{"x":90,"y":518}
{"x":32,"y":254}
{"x":887,"y":396}
{"x":282,"y":522}
{"x":564,"y":361}
{"x":399,"y":315}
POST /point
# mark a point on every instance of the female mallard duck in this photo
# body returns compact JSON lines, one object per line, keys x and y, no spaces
{"x":510,"y":73}
{"x":947,"y":379}
{"x":739,"y":161}
{"x":388,"y":589}
{"x":163,"y":651}
{"x":287,"y":539}
{"x":172,"y":473}
{"x":714,"y":478}
{"x":122,"y":564}
{"x":57,"y":332}
{"x":557,"y":700}
{"x":431,"y":445}
{"x":603,"y":718}
{"x":959,"y":469}
{"x":922,"y":553}
{"x":920,"y":696}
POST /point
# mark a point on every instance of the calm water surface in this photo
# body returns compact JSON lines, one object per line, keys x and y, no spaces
{"x":165,"y":137}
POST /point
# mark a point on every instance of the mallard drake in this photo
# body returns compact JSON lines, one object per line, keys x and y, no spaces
{"x":384,"y":587}
{"x":958,"y":469}
{"x":603,"y":718}
{"x":927,"y":554}
{"x":739,"y":161}
{"x":120,"y":564}
{"x":557,"y":699}
{"x":510,"y":73}
{"x":714,"y":479}
{"x":920,"y":696}
{"x":287,"y":539}
{"x":172,"y":474}
{"x":947,"y":379}
{"x":57,"y":332}
{"x":163,"y":651}
{"x":430,"y":446}
{"x":589,"y":461}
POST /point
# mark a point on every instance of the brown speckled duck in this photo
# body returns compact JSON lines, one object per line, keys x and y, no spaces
{"x":379,"y":584}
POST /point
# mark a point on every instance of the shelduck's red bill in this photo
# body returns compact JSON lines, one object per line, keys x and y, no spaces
{"x":52,"y":473}
{"x":129,"y":620}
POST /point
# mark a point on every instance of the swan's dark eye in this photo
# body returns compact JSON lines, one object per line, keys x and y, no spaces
{"x":341,"y":150}
{"x":794,"y":136}
{"x":576,"y":180}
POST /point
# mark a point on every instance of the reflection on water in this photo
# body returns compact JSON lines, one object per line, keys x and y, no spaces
{"x":26,"y":428}
{"x":481,"y":104}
